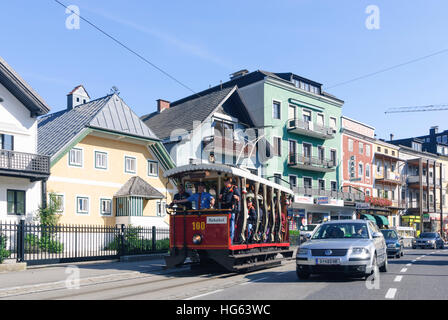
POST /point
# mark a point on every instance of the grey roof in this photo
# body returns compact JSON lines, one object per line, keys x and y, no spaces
{"x":108,"y":113}
{"x":15,"y":84}
{"x":137,"y":187}
{"x":183,"y":115}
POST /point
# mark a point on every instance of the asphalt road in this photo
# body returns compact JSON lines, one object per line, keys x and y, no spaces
{"x":420,"y":274}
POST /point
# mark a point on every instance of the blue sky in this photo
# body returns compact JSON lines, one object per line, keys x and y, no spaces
{"x":201,"y":42}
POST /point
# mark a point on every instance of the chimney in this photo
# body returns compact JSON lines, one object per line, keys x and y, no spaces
{"x":391,"y":137}
{"x":239,"y":74}
{"x":162,"y":105}
{"x":76,"y":97}
{"x":434,"y":130}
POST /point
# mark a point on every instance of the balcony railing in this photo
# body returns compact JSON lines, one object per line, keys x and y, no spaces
{"x":346,"y":196}
{"x":311,"y":163}
{"x":310,"y":129}
{"x":388,"y":177}
{"x":416,"y":180}
{"x":24,"y":164}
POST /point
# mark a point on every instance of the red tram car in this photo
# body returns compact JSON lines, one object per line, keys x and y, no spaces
{"x":203,"y":235}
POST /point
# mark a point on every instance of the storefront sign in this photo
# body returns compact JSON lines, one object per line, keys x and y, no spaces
{"x":322,"y":200}
{"x":303,"y":199}
{"x":362,"y":206}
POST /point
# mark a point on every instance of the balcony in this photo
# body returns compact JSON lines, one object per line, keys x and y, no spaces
{"x":414,"y":206}
{"x":226,"y":146}
{"x":346,"y":196}
{"x":24,"y":165}
{"x":389,"y":178}
{"x":310,"y":129}
{"x":414,"y":181}
{"x":311,"y":163}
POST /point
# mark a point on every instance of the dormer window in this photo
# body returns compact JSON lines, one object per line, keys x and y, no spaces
{"x":77,"y":99}
{"x":417,"y":146}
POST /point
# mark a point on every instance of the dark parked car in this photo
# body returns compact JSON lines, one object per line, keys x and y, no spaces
{"x":428,"y":240}
{"x":394,"y":243}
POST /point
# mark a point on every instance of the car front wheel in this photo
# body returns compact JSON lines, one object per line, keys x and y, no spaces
{"x":302,"y":275}
{"x":384,"y":267}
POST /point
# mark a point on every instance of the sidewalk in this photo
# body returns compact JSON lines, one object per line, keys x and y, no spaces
{"x":56,"y":275}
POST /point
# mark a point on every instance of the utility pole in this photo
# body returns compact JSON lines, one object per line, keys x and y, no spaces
{"x":420,"y":196}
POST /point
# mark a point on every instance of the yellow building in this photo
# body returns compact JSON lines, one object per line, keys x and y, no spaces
{"x":106,"y":165}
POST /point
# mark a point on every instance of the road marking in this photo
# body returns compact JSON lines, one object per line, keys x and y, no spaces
{"x":398,"y":278}
{"x":409,"y":264}
{"x":248,"y":282}
{"x":391,"y":293}
{"x":205,"y":294}
{"x":404,"y":270}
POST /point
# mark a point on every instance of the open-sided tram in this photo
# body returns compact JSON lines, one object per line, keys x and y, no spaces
{"x":203,"y":235}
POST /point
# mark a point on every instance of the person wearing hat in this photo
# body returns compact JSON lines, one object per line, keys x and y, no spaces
{"x":181,"y":195}
{"x":203,"y":199}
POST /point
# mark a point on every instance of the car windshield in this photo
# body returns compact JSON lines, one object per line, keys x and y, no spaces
{"x":389,"y":234}
{"x":309,"y":227}
{"x":428,"y":235}
{"x":342,"y":231}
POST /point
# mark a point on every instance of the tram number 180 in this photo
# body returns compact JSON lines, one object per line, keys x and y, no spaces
{"x":198,"y":226}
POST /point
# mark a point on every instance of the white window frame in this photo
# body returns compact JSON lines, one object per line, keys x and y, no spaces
{"x":368,"y":150}
{"x":61,"y":211}
{"x":335,"y":183}
{"x":279,"y":145}
{"x":360,"y":166}
{"x":351,"y":144}
{"x":365,"y":170}
{"x":296,"y":177}
{"x":335,"y":123}
{"x":361,"y":147}
{"x":303,"y":181}
{"x":76,"y":165}
{"x":161,"y":208}
{"x":102,"y":213}
{"x":125,"y":164}
{"x":156,"y":174}
{"x":95,"y":152}
{"x":84,"y":212}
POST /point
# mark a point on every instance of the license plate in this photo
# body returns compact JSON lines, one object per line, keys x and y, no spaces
{"x":328,"y":261}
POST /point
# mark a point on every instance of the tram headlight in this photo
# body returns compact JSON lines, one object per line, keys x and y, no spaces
{"x":197,"y":239}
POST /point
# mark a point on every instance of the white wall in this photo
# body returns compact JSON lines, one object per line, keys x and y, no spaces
{"x":15,"y":119}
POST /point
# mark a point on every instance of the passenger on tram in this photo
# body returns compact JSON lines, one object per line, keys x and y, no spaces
{"x":181,"y":195}
{"x":230,"y":196}
{"x":252,"y":219}
{"x":202,"y":199}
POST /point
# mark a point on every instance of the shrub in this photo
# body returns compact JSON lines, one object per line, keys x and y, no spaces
{"x":134,"y":244}
{"x":4,"y":254}
{"x":46,"y":243}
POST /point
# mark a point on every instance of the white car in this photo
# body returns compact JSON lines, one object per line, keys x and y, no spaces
{"x":352,"y":247}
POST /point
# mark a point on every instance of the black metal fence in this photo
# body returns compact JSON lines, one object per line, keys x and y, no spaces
{"x":40,"y":244}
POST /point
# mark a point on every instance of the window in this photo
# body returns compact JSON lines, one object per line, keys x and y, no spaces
{"x":276,"y":110}
{"x":277,"y":178}
{"x":306,"y":114}
{"x":75,"y":157}
{"x":368,"y":150}
{"x":350,"y":145}
{"x":445,"y":139}
{"x":378,"y":149}
{"x":393,"y":153}
{"x":386,"y":151}
{"x":82,"y":205}
{"x":333,"y":123}
{"x":130,"y":164}
{"x":16,"y":202}
{"x":6,"y":142}
{"x":320,"y":119}
{"x":378,"y":166}
{"x":293,"y":181}
{"x":417,"y":146}
{"x":161,"y":208}
{"x":333,"y":157}
{"x":153,"y":168}
{"x":368,"y":192}
{"x":307,"y":150}
{"x":277,"y":146}
{"x":57,"y":200}
{"x":307,"y":183}
{"x":361,"y":148}
{"x":321,"y":185}
{"x":106,"y":207}
{"x":292,"y":152}
{"x":367,"y":170}
{"x":360,"y":170}
{"x":100,"y":160}
{"x":321,"y":153}
{"x":334,"y":186}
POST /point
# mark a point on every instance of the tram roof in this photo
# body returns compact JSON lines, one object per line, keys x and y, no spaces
{"x":225,"y":169}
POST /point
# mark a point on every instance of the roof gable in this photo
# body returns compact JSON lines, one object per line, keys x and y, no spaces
{"x":137,"y":187}
{"x":15,"y":84}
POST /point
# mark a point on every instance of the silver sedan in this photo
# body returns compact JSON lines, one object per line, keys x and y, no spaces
{"x":354,"y":247}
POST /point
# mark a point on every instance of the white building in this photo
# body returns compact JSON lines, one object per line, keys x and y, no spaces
{"x":23,"y":173}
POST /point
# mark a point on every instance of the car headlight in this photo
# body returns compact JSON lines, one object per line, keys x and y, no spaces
{"x":391,"y":245}
{"x":303,"y":252}
{"x":360,"y":251}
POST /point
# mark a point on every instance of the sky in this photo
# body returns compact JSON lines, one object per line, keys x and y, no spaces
{"x":202,"y":42}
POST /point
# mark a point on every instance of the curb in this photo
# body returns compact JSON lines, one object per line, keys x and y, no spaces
{"x":12,"y":267}
{"x":144,"y":257}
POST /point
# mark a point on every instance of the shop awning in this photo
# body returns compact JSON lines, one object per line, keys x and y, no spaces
{"x":382,"y":219}
{"x":368,"y":217}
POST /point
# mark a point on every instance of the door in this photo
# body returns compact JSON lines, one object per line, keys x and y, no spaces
{"x":307,"y":152}
{"x":292,"y":152}
{"x":292,"y":116}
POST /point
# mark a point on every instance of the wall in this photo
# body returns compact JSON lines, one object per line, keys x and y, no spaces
{"x":97,"y":183}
